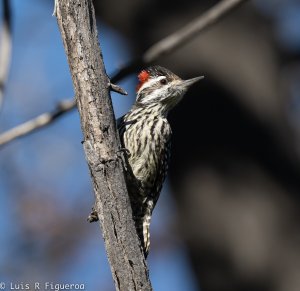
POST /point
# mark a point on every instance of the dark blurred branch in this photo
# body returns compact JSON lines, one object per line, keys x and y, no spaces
{"x":180,"y":37}
{"x":77,"y":24}
{"x":5,"y":49}
{"x":183,"y":35}
{"x":163,"y":47}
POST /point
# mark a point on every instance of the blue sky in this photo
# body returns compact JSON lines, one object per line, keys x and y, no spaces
{"x":39,"y":78}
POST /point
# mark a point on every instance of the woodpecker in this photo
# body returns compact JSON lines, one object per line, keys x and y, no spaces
{"x":145,"y":133}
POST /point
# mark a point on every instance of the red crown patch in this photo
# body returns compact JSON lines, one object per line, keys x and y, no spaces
{"x":143,"y":77}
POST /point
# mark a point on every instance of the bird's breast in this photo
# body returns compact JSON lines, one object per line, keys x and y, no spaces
{"x":148,"y":143}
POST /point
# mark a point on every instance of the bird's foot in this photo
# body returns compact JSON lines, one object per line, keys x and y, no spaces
{"x":93,"y":216}
{"x":124,"y":154}
{"x":125,"y":151}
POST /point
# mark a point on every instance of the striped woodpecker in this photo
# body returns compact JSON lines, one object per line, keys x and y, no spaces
{"x":146,"y":133}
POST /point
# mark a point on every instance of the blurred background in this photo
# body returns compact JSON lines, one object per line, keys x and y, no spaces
{"x":228,"y":216}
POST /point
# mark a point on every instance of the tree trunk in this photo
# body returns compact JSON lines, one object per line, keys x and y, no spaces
{"x":76,"y":20}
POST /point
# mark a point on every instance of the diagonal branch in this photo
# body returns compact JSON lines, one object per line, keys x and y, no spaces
{"x":183,"y":35}
{"x":5,"y":49}
{"x":34,"y":124}
{"x":180,"y":37}
{"x":161,"y":48}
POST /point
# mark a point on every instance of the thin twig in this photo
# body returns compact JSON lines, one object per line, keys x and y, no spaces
{"x":5,"y":50}
{"x":36,"y":123}
{"x":117,"y":89}
{"x":163,"y":47}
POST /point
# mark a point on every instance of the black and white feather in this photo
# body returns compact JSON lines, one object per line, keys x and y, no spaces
{"x":146,"y":133}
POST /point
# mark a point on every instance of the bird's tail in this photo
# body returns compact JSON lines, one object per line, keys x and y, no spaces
{"x":143,"y":230}
{"x":142,"y":224}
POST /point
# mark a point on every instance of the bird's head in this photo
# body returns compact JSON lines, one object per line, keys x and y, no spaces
{"x":159,"y":86}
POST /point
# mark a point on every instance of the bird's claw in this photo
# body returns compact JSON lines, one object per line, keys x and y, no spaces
{"x":93,"y":216}
{"x":125,"y":151}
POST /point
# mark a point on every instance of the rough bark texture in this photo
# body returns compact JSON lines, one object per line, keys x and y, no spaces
{"x":77,"y":24}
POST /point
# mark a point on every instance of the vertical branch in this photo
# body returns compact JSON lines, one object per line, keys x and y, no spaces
{"x":76,"y":20}
{"x":5,"y":47}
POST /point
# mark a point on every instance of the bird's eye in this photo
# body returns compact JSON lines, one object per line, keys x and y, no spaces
{"x":163,"y":81}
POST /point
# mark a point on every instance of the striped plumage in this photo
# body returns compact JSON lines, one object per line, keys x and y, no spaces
{"x":146,"y":134}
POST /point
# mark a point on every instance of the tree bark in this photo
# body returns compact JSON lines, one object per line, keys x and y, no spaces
{"x":76,"y":20}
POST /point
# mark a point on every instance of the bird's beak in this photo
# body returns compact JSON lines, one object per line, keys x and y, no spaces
{"x":187,"y":83}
